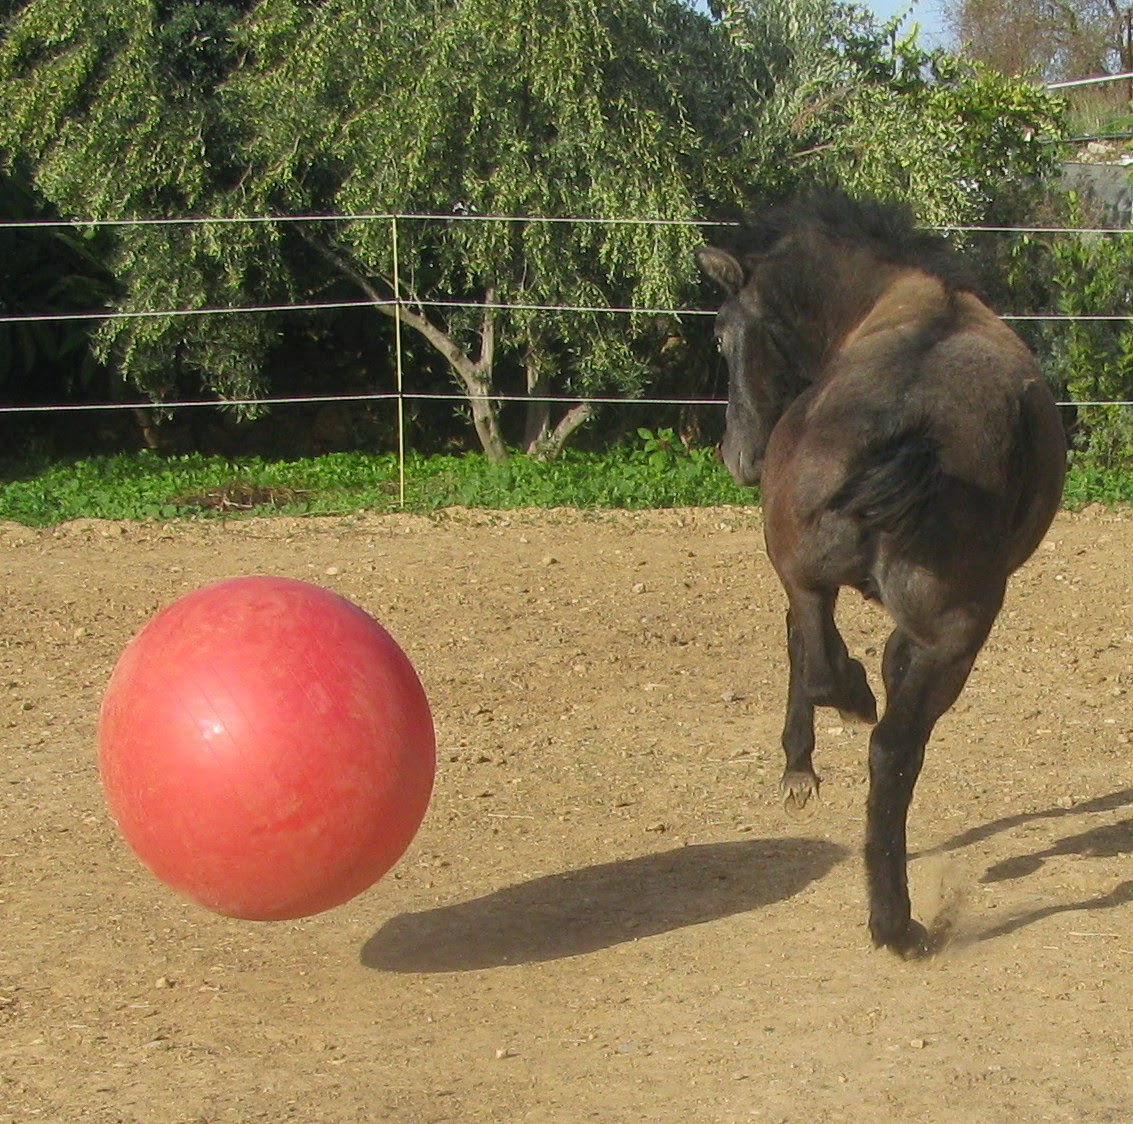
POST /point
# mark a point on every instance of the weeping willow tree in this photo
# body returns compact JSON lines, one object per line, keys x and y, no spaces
{"x":545,"y":108}
{"x":111,"y":111}
{"x":136,"y":109}
{"x":515,"y":115}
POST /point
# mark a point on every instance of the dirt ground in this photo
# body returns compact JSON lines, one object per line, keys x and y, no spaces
{"x":606,"y":915}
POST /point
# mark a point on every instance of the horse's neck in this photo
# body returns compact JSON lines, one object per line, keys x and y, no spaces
{"x":856,"y":287}
{"x":910,"y":299}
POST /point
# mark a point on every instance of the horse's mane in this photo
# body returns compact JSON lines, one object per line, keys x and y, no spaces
{"x":886,"y":228}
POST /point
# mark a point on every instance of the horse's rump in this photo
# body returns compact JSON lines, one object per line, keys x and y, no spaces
{"x":891,"y":484}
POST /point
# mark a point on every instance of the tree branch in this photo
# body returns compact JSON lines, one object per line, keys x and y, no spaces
{"x":471,"y":373}
{"x":488,"y":331}
{"x":474,"y":375}
{"x":553,"y":443}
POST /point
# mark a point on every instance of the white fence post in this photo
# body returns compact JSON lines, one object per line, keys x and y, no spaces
{"x":397,"y":363}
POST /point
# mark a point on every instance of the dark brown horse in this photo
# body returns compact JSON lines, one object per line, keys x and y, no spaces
{"x":907,"y":446}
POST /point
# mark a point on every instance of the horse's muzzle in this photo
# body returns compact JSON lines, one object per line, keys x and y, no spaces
{"x":746,"y":469}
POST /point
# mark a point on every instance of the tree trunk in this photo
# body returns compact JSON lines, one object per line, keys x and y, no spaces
{"x":486,"y":420}
{"x":541,"y":439}
{"x":538,"y":424}
{"x":576,"y":417}
{"x":473,"y":375}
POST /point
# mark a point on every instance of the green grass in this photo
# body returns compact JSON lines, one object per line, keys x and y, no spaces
{"x":145,"y":486}
{"x":1086,"y":484}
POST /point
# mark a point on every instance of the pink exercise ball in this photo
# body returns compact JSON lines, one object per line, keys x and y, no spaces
{"x":266,"y":748}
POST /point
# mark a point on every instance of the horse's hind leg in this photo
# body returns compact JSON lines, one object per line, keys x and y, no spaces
{"x":921,"y":685}
{"x":821,"y":674}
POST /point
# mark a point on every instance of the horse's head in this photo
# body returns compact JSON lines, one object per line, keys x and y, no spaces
{"x":749,"y":336}
{"x":798,"y":279}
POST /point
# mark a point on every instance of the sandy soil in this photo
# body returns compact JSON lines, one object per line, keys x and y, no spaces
{"x":606,"y":915}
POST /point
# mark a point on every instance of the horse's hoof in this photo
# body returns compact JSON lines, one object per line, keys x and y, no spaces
{"x":915,"y":943}
{"x":796,"y":790}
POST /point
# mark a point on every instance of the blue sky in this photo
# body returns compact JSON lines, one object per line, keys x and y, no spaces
{"x":926,"y":13}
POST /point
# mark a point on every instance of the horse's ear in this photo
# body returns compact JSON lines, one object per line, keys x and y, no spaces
{"x":721,"y":267}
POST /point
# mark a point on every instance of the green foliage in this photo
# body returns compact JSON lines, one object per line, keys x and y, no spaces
{"x":147,"y":108}
{"x":1089,"y":361}
{"x":1004,"y":154}
{"x":847,"y":100}
{"x":1091,"y":483}
{"x":55,"y":271}
{"x":541,"y":107}
{"x":111,"y":108}
{"x":146,"y":486}
{"x":654,"y":473}
{"x":1094,"y":274}
{"x":582,"y":480}
{"x":194,"y":44}
{"x":83,"y":103}
{"x":218,"y":266}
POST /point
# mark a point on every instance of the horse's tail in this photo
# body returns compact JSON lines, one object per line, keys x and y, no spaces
{"x":891,"y":483}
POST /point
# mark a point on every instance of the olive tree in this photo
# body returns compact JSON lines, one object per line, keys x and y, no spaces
{"x":496,"y":120}
{"x":518,"y":114}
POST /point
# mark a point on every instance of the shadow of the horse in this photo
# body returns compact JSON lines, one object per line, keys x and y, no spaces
{"x":575,"y":912}
{"x":581,"y":911}
{"x":1104,"y":841}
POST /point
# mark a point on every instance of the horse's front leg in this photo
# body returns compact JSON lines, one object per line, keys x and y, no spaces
{"x":921,"y":687}
{"x":821,"y":674}
{"x":800,"y":782}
